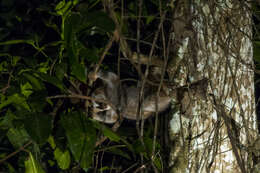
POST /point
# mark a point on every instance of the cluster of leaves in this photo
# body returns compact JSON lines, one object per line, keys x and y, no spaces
{"x":45,"y":45}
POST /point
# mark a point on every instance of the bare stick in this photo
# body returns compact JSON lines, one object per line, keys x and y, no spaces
{"x":14,"y":153}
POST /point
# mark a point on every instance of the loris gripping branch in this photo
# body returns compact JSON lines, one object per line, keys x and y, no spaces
{"x":124,"y":99}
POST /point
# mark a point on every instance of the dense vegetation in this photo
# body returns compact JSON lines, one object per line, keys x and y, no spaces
{"x":48,"y":47}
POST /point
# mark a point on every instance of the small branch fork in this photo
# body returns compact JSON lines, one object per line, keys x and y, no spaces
{"x":22,"y":148}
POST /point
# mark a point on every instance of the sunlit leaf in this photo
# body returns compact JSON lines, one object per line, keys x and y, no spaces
{"x":36,"y":83}
{"x":44,"y":67}
{"x":63,"y":158}
{"x":51,"y":142}
{"x":26,"y":89}
{"x":15,"y":99}
{"x":15,"y":59}
{"x":62,"y":7}
{"x":32,"y":165}
{"x":75,"y":2}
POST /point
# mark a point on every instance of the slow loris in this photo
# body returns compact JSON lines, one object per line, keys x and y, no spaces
{"x":124,"y":99}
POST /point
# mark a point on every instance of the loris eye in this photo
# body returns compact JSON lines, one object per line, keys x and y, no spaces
{"x":101,"y":106}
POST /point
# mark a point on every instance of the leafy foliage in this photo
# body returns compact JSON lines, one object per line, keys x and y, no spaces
{"x":45,"y":48}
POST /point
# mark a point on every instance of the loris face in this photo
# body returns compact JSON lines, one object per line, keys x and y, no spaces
{"x":101,"y":111}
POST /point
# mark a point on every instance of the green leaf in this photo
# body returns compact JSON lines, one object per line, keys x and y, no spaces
{"x":119,"y":152}
{"x":70,"y":26}
{"x":149,"y":144}
{"x":158,"y":162}
{"x":18,"y":137}
{"x":111,"y":135}
{"x":78,"y":70}
{"x":38,"y":126}
{"x":3,"y":66}
{"x":75,"y":2}
{"x":51,"y":142}
{"x":15,"y":99}
{"x":11,"y":169}
{"x":62,"y":7}
{"x":72,"y":43}
{"x":26,"y":89}
{"x":37,"y":100}
{"x":32,"y":165}
{"x":149,"y":19}
{"x":90,"y":54}
{"x":15,"y":59}
{"x":138,"y":147}
{"x":81,"y":137}
{"x":104,"y":168}
{"x":107,"y":131}
{"x":63,"y":158}
{"x":6,"y":121}
{"x":10,"y":42}
{"x":44,"y":67}
{"x":61,"y":70}
{"x":52,"y":80}
{"x":36,"y":83}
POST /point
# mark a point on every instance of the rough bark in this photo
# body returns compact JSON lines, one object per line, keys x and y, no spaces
{"x":212,"y":40}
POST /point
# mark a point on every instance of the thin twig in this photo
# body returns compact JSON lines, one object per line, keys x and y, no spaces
{"x":3,"y":90}
{"x":14,"y":153}
{"x":108,"y":46}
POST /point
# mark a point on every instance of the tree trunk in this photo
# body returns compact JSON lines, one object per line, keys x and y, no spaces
{"x":215,"y":132}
